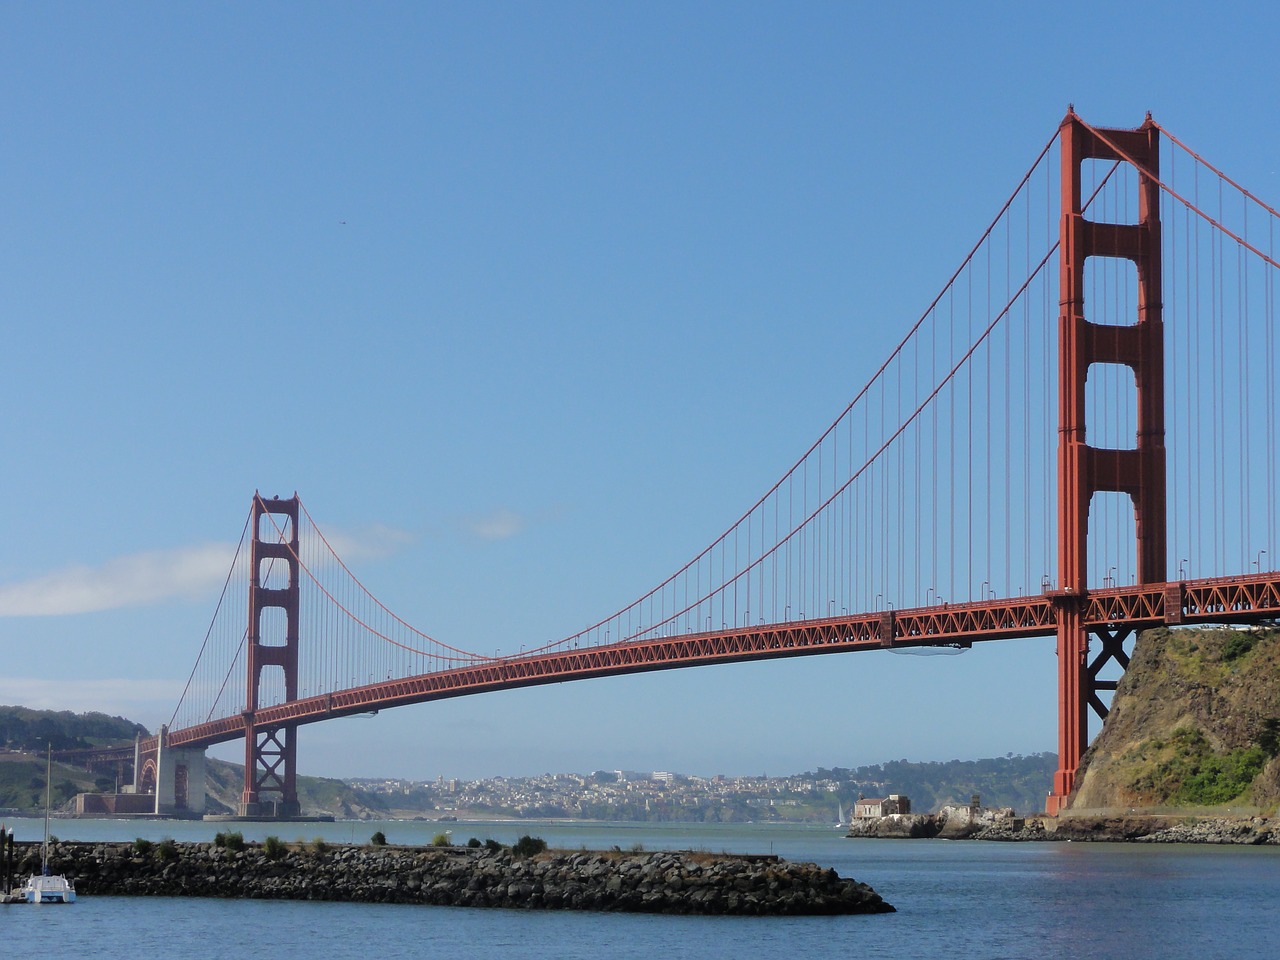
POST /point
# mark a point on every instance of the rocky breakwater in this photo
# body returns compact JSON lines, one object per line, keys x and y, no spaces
{"x":660,"y":882}
{"x":1122,"y":829}
{"x":1145,"y":829}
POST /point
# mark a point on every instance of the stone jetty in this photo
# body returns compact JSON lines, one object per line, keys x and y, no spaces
{"x":1254,"y":831}
{"x":1134,"y":828}
{"x":658,"y":882}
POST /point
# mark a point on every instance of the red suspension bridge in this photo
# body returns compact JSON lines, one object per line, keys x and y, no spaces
{"x":952,"y":501}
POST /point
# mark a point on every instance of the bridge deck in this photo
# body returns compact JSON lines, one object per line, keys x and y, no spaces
{"x":1220,"y":600}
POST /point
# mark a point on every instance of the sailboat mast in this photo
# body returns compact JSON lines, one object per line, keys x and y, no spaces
{"x":48,"y":798}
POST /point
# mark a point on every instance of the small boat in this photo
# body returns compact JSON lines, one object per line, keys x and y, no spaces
{"x":46,"y":887}
{"x":842,"y":823}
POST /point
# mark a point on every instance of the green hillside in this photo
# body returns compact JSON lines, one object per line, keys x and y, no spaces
{"x":1195,"y":723}
{"x":26,"y":734}
{"x":22,"y":728}
{"x":22,"y":783}
{"x":1013,"y":781}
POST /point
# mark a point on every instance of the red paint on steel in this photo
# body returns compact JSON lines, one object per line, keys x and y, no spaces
{"x":1223,"y":600}
{"x":270,"y":748}
{"x":1084,"y":470}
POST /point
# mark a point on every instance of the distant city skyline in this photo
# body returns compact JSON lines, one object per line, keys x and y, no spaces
{"x":528,"y":303}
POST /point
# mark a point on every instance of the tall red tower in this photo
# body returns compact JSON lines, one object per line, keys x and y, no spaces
{"x":270,"y":753}
{"x":1084,"y":470}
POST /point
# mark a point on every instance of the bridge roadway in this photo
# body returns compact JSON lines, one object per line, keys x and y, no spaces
{"x":1236,"y":600}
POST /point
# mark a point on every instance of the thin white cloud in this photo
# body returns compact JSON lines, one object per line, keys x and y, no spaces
{"x":501,"y":524}
{"x":144,"y":701}
{"x":137,"y":580}
{"x":371,"y":542}
{"x":155,"y":576}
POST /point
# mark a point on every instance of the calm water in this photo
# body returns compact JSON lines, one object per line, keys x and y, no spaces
{"x":970,"y":900}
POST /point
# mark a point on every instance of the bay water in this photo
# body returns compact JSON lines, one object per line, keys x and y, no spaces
{"x":967,"y":899}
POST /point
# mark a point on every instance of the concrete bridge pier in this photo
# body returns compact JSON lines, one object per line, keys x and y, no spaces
{"x":173,"y":776}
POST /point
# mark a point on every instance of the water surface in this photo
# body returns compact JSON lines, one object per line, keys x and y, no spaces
{"x":955,"y":899}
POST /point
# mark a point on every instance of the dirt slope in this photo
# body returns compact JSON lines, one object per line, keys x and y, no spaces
{"x":1195,"y":723}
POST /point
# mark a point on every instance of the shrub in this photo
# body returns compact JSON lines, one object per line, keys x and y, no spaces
{"x":319,"y":845}
{"x":142,"y":848}
{"x":166,"y":850}
{"x":379,"y":839}
{"x":493,"y":846}
{"x":442,"y":840}
{"x":528,"y":846}
{"x":1197,"y":775}
{"x":233,"y":841}
{"x":274,"y":848}
{"x":474,"y":843}
{"x":1238,"y":645}
{"x":1219,"y":778}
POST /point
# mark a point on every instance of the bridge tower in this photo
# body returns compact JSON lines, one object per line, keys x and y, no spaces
{"x":270,"y":753}
{"x":1084,"y":470}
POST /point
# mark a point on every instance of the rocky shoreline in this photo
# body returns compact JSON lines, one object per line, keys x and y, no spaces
{"x":1122,"y":829}
{"x":660,"y":882}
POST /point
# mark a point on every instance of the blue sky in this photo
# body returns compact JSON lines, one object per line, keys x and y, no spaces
{"x":531,"y":300}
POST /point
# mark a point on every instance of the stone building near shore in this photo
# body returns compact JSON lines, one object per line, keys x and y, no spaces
{"x":871,"y":808}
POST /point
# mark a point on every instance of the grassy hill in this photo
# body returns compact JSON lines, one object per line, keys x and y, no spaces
{"x":22,"y":783}
{"x":1195,"y":725}
{"x":22,"y":728}
{"x":316,"y":795}
{"x":25,"y":734}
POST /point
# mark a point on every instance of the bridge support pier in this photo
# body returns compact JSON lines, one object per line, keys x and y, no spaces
{"x":270,"y":753}
{"x":1084,"y":470}
{"x":174,"y":777}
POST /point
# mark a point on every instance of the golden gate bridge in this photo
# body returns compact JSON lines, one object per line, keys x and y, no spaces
{"x":1077,"y":438}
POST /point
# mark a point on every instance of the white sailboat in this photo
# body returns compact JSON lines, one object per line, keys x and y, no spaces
{"x":842,"y":823}
{"x":45,"y":887}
